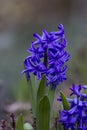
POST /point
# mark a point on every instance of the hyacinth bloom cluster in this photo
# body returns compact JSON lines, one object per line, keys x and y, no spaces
{"x":76,"y":117}
{"x":48,"y":56}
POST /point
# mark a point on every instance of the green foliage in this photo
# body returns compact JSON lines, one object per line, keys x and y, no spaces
{"x":51,"y":96}
{"x":19,"y":123}
{"x":43,"y":114}
{"x":43,"y":106}
{"x":21,"y":126}
{"x":41,"y":99}
{"x":32,"y":95}
{"x":64,"y":101}
{"x":41,"y":89}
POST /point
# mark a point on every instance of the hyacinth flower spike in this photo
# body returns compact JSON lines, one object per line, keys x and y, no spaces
{"x":45,"y":69}
{"x":48,"y":53}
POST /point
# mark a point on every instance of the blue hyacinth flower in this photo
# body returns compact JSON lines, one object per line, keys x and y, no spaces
{"x":47,"y":56}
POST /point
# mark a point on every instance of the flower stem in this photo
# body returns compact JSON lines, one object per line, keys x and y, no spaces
{"x":45,"y":58}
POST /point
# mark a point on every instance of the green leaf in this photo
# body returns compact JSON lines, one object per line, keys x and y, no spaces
{"x":41,"y":89}
{"x":33,"y":87}
{"x":65,"y":103}
{"x":19,"y":124}
{"x":44,"y":114}
{"x":32,"y":97}
{"x":28,"y":126}
{"x":51,"y":95}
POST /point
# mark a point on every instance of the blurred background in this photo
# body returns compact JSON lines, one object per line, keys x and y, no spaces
{"x":19,"y":19}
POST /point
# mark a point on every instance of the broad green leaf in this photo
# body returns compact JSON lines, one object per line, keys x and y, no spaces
{"x":44,"y":114}
{"x":64,"y":101}
{"x":41,"y":89}
{"x":19,"y":124}
{"x":51,"y":95}
{"x":32,"y":97}
{"x":28,"y":126}
{"x":33,"y":87}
